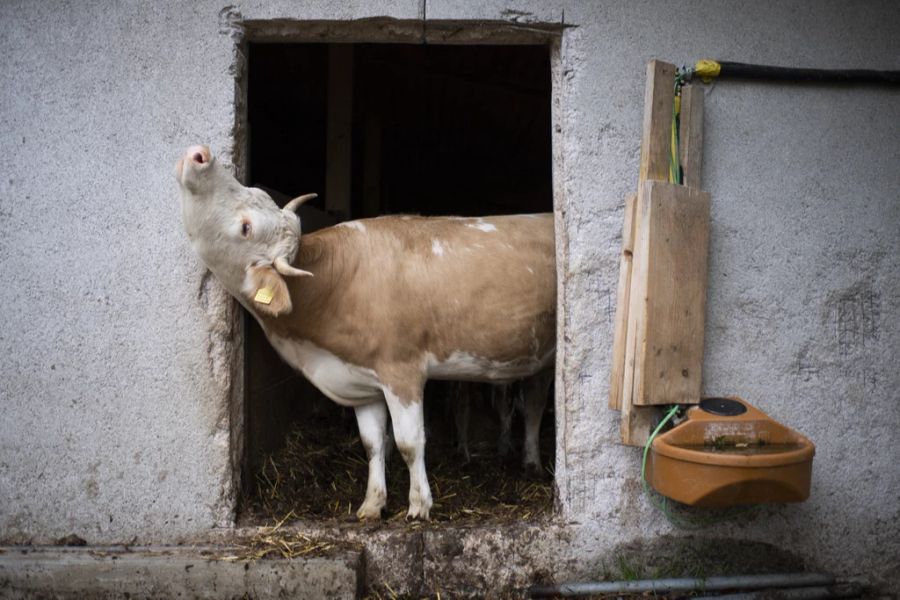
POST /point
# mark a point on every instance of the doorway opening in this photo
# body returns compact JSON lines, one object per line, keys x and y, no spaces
{"x":380,"y":129}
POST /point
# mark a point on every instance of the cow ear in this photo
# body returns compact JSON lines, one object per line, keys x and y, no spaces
{"x":267,"y":291}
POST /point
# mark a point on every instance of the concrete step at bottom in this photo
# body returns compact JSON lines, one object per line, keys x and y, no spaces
{"x":173,"y":572}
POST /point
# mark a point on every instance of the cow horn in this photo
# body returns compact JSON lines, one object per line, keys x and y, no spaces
{"x":282,"y":266}
{"x":294,"y":204}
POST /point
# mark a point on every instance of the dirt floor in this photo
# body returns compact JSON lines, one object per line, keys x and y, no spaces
{"x":320,"y":475}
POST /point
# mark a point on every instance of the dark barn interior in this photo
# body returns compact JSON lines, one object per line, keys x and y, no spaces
{"x":385,"y":129}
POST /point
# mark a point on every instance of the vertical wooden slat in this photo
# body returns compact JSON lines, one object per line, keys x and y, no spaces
{"x":659,"y":95}
{"x":691,"y":134}
{"x":637,"y":423}
{"x":617,"y":373}
{"x":339,"y":133}
{"x":635,"y":338}
{"x":636,"y":420}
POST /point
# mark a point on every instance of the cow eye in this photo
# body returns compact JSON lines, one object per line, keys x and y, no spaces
{"x":245,"y":229}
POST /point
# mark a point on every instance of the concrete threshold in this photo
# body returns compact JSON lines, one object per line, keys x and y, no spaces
{"x":173,"y":571}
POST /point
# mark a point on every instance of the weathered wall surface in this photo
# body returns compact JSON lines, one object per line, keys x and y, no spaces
{"x":118,"y":353}
{"x":117,"y":349}
{"x":804,"y":258}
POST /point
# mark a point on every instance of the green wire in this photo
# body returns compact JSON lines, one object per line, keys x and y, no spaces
{"x":676,"y":173}
{"x":653,"y":435}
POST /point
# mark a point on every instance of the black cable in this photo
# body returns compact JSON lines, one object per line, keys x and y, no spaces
{"x":736,"y":70}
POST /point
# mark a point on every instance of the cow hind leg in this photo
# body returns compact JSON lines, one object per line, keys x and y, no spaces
{"x":502,"y":400}
{"x":536,"y":389}
{"x":372,"y":421}
{"x":462,"y":408}
{"x":408,"y":420}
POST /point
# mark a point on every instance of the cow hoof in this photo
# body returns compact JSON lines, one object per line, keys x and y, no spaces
{"x":368,"y":512}
{"x":419,"y":513}
{"x":533,"y":469}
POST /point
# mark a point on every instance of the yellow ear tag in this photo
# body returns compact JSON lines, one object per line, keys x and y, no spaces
{"x":264,"y":295}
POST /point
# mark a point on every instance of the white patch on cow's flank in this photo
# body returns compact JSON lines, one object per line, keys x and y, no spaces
{"x":352,"y":225}
{"x":343,"y":382}
{"x":530,"y":270}
{"x":437,"y":248}
{"x":463,"y":366}
{"x":482,"y":226}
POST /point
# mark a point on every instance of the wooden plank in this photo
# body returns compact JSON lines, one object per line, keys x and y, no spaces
{"x":617,"y":372}
{"x":691,"y":134}
{"x":339,"y":130}
{"x":636,"y":420}
{"x":656,"y":144}
{"x":670,"y":277}
{"x":635,"y":327}
{"x":637,"y":423}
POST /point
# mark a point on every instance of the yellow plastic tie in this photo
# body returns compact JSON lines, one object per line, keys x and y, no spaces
{"x":707,"y":69}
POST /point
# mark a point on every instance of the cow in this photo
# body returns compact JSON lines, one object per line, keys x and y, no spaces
{"x":368,"y":310}
{"x":527,"y":396}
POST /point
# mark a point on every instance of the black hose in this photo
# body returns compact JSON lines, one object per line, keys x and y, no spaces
{"x":736,"y":70}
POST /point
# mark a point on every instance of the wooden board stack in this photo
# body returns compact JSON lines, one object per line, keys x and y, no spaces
{"x":661,"y":303}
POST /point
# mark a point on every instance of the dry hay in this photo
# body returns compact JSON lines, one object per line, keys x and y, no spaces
{"x":320,"y":475}
{"x":277,"y":542}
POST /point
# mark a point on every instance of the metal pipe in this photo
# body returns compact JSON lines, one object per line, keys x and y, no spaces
{"x":845,"y":590}
{"x":735,"y":582}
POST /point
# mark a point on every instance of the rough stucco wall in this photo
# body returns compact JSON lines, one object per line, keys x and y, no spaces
{"x":117,"y":352}
{"x":805,"y":248}
{"x":113,"y":423}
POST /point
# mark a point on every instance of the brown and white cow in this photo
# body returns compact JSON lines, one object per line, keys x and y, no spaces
{"x":369,"y":310}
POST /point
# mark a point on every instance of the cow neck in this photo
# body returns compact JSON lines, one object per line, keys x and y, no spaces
{"x":312,"y":297}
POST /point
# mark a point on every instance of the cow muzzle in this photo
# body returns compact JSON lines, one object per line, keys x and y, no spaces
{"x":195,"y":159}
{"x":199,"y":155}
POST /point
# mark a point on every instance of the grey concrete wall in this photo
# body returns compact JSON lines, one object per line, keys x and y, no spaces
{"x":119,"y":355}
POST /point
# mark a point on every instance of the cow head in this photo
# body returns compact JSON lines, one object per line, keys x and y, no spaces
{"x":239,"y":232}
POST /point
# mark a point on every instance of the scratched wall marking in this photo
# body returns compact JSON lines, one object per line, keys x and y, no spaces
{"x":856,"y":315}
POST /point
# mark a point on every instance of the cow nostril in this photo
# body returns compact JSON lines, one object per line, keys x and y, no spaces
{"x":198,"y":158}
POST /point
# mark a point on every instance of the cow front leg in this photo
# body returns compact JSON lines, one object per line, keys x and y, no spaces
{"x":408,"y":420}
{"x":372,"y":422}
